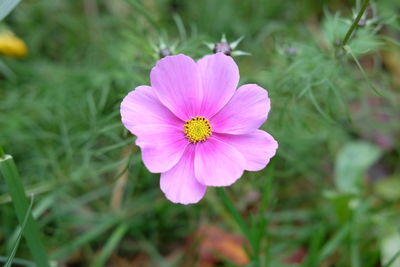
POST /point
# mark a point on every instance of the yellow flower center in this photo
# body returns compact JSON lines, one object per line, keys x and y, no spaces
{"x":198,"y":129}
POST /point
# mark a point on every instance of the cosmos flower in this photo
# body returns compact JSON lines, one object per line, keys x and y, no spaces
{"x":196,"y":128}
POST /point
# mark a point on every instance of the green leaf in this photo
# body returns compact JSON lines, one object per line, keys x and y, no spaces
{"x":32,"y":234}
{"x":21,"y":230}
{"x":111,"y":245}
{"x":351,"y":163}
{"x":228,"y":204}
{"x":6,"y":6}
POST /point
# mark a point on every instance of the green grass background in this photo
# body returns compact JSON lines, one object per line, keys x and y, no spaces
{"x":332,"y":191}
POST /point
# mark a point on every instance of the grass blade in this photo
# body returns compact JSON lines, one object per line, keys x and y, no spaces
{"x":85,"y":238}
{"x":32,"y":235}
{"x":111,"y":244}
{"x":261,"y":232}
{"x":314,"y":248}
{"x":329,"y":248}
{"x":19,"y":261}
{"x":223,"y":197}
{"x":138,"y":6}
{"x":21,"y":230}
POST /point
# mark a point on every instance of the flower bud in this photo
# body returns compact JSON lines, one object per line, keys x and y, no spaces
{"x":164,"y":52}
{"x":223,"y":47}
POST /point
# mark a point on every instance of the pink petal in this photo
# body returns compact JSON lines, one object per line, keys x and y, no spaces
{"x":220,"y":77}
{"x":142,"y":107}
{"x":176,"y":80}
{"x":245,"y":112}
{"x":159,"y":132}
{"x":257,"y":147}
{"x":217,"y":163}
{"x":162,"y":146}
{"x":179,"y":184}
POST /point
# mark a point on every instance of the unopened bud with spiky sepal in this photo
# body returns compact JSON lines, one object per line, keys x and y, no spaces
{"x":165,"y":52}
{"x":222,"y":47}
{"x":162,"y":49}
{"x":227,"y":48}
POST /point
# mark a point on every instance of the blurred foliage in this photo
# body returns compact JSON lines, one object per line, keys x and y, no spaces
{"x":96,"y":203}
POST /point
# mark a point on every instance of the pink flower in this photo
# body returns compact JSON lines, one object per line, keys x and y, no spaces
{"x":195,"y":128}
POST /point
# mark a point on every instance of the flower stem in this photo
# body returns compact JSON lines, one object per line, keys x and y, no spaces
{"x":2,"y":154}
{"x":355,"y":22}
{"x":237,"y":217}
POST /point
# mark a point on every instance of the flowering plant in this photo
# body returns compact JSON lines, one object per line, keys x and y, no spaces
{"x":195,"y":128}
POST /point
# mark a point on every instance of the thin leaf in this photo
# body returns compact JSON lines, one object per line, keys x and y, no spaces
{"x":330,"y":246}
{"x":21,"y":230}
{"x":19,"y":261}
{"x":93,"y":233}
{"x":32,"y":234}
{"x":317,"y":239}
{"x":318,"y":107}
{"x":180,"y":26}
{"x":137,"y":4}
{"x":235,"y":215}
{"x":261,"y":231}
{"x":111,"y":244}
{"x":350,"y":52}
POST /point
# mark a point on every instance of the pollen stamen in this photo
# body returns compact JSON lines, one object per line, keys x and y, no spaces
{"x":197,"y":129}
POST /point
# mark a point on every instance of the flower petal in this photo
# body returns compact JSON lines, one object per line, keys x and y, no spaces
{"x":245,"y":112}
{"x":162,"y":146}
{"x":220,"y":77}
{"x":179,"y":184}
{"x":142,"y":107}
{"x":257,"y":147}
{"x":159,"y":131}
{"x":176,"y":80}
{"x":217,"y":163}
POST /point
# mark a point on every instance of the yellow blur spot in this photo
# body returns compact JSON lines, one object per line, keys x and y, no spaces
{"x":11,"y":45}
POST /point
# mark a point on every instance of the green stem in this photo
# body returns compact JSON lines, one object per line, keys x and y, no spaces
{"x":355,"y":23}
{"x":21,"y":205}
{"x":2,"y":154}
{"x":227,"y":202}
{"x":263,"y":220}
